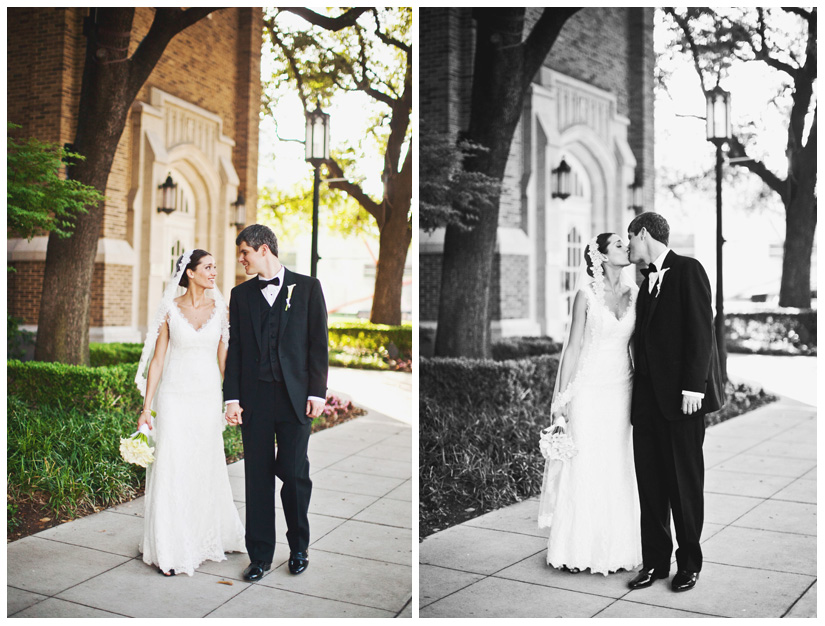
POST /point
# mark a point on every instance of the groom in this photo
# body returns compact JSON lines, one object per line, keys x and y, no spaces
{"x":276,"y":376}
{"x":676,"y":382}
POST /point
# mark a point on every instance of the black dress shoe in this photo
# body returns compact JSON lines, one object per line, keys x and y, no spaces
{"x":298,"y":562}
{"x":684,"y":580}
{"x":646,"y":577}
{"x":256,"y":570}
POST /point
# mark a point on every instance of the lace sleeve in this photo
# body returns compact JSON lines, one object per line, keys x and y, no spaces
{"x":225,"y":327}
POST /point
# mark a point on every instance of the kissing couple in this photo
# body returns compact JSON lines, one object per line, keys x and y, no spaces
{"x":638,"y":372}
{"x":268,"y":352}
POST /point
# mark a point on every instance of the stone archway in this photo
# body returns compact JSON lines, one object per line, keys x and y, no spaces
{"x":173,"y":136}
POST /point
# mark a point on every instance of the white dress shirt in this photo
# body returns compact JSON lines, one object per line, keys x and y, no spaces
{"x":270,"y":292}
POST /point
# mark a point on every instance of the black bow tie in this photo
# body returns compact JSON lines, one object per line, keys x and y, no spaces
{"x":273,"y":281}
{"x":650,"y":268}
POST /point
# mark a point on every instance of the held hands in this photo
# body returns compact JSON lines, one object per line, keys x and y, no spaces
{"x":314,"y":408}
{"x":690,"y":404}
{"x":233,"y":413}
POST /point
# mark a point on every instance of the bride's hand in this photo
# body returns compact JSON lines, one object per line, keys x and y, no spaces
{"x":145,"y":418}
{"x":562,"y":412}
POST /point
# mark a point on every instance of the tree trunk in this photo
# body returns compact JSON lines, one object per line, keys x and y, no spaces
{"x":800,"y":227}
{"x":394,"y":242}
{"x":63,"y":323}
{"x":504,"y":67}
{"x":110,"y":84}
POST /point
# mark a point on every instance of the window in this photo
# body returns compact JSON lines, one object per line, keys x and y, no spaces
{"x":572,"y":261}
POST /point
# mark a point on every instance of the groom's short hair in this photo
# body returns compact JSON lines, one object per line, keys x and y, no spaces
{"x":255,"y":235}
{"x":653,"y":223}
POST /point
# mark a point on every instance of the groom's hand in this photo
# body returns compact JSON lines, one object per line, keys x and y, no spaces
{"x":233,"y":413}
{"x":314,"y":408}
{"x":690,"y":404}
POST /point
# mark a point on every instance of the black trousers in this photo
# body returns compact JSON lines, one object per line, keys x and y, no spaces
{"x":270,"y":416}
{"x":670,"y":475}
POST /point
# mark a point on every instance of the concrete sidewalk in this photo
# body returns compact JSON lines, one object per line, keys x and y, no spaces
{"x":759,"y":541}
{"x":360,"y":515}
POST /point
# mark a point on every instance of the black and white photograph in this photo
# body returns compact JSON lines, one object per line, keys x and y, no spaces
{"x":617,"y":312}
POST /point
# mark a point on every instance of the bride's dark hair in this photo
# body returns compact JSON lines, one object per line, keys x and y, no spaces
{"x":196,"y":257}
{"x":601,"y":245}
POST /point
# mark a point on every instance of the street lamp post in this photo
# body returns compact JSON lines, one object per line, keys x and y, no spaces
{"x":718,"y":128}
{"x":317,"y":152}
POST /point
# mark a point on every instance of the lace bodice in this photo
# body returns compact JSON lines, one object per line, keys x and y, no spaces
{"x":614,"y":333}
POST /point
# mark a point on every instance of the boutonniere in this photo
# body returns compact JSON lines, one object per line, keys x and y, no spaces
{"x":289,"y":289}
{"x":661,"y":280}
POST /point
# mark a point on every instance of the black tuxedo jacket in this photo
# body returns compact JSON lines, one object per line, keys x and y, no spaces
{"x":302,"y":342}
{"x":675,"y":330}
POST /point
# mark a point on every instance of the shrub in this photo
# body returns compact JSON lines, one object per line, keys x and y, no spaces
{"x":69,"y":457}
{"x":477,"y":383}
{"x":372,"y":337}
{"x":85,"y":388}
{"x":523,"y":347}
{"x":352,"y":344}
{"x":113,"y":353}
{"x":478,"y":434}
{"x":791,"y":332}
{"x":17,"y":339}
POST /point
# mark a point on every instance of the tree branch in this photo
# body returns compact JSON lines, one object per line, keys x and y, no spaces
{"x":167,"y":23}
{"x":683,"y":25}
{"x":737,"y":150}
{"x":799,"y":11}
{"x":542,"y":37}
{"x":390,"y":41}
{"x":348,"y":18}
{"x":293,"y":64}
{"x":353,"y":190}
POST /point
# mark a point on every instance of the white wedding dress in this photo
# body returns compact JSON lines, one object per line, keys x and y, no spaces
{"x":190,"y":516}
{"x":596,"y":520}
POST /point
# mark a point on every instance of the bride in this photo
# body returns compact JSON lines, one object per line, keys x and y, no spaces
{"x":592,"y":506}
{"x":190,"y":515}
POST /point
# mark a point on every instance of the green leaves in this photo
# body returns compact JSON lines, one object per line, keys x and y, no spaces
{"x":38,"y":198}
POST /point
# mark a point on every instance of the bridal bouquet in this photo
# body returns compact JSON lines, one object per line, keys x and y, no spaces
{"x":135,"y":448}
{"x":556,"y":444}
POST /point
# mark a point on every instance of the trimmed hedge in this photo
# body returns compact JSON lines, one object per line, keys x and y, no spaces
{"x":478,"y":434}
{"x":85,"y":388}
{"x":101,"y":354}
{"x":358,"y":338}
{"x":476,"y":383}
{"x":780,"y":332}
{"x":372,"y":337}
{"x":523,"y":347}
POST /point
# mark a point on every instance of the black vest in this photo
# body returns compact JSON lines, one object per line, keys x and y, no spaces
{"x":270,"y":364}
{"x":641,"y":358}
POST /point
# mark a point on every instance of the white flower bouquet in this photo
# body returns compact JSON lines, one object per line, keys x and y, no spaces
{"x":135,"y":448}
{"x":555,"y":443}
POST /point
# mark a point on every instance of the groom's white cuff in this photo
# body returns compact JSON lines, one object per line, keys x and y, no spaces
{"x":693,"y":394}
{"x":308,"y":398}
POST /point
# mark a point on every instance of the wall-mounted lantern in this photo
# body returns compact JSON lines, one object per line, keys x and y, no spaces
{"x":636,"y":192}
{"x":561,"y":180}
{"x":239,"y":212}
{"x":167,"y":198}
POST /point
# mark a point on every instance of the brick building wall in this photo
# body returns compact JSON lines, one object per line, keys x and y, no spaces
{"x":609,"y":48}
{"x":214,"y":64}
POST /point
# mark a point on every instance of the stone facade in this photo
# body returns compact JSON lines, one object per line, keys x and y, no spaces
{"x":591,"y":105}
{"x":196,"y":116}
